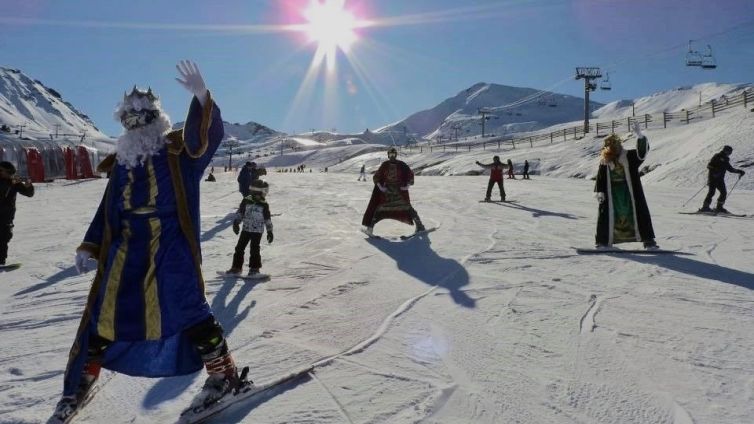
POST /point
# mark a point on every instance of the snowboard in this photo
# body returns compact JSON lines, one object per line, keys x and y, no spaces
{"x":203,"y":413}
{"x":256,"y":277}
{"x":403,"y":237}
{"x":728,"y":215}
{"x":498,"y":201}
{"x":595,"y":251}
{"x":10,"y":267}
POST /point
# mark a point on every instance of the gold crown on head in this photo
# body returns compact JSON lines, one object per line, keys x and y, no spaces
{"x":135,"y":92}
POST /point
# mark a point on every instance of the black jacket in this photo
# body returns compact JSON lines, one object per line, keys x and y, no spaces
{"x":8,"y":192}
{"x":718,"y":165}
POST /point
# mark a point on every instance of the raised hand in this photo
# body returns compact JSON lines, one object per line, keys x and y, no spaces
{"x":192,"y":80}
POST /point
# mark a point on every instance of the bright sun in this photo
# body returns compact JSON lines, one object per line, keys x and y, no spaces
{"x":330,"y":25}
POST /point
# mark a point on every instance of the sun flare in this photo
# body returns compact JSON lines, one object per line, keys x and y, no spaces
{"x":330,"y":25}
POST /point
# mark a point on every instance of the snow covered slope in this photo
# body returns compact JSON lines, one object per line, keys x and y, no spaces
{"x":24,"y":101}
{"x":512,"y":109}
{"x":491,"y":319}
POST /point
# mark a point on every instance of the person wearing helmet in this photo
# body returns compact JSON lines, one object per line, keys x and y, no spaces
{"x":496,"y":177}
{"x":247,"y":175}
{"x":390,"y":198}
{"x":254,"y":213}
{"x":718,"y":166}
{"x":623,"y":211}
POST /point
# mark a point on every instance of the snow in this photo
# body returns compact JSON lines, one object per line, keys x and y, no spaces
{"x":492,"y":318}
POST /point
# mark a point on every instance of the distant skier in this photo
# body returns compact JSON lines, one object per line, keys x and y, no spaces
{"x":510,"y":170}
{"x":718,"y":166}
{"x":247,"y":175}
{"x":623,"y":211}
{"x":526,"y":170}
{"x":496,"y":177}
{"x":10,"y":184}
{"x":254,"y":213}
{"x":362,"y":173}
{"x":147,"y":314}
{"x":390,"y":198}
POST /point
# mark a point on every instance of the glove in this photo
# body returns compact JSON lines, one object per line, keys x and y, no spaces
{"x":381,"y":187}
{"x":600,"y":196}
{"x":82,"y":257}
{"x":270,"y":237}
{"x":236,"y":227}
{"x":192,"y":80}
{"x":404,"y":188}
{"x":637,"y":129}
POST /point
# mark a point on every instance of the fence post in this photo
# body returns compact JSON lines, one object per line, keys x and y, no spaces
{"x":687,"y":117}
{"x":484,"y":146}
{"x":628,"y":122}
{"x":598,"y":129}
{"x":550,"y":138}
{"x":564,"y":134}
{"x":646,"y":120}
{"x":531,"y":143}
{"x":469,"y":147}
{"x":498,"y":144}
{"x":713,"y":107}
{"x":513,"y":141}
{"x":664,"y":119}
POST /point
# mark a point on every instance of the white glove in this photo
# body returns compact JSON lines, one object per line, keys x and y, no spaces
{"x":381,"y":187}
{"x":404,"y":188}
{"x":192,"y":80}
{"x":82,"y":257}
{"x":600,"y":196}
{"x":637,"y":129}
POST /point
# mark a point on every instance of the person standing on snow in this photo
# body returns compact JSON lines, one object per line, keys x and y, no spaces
{"x":10,"y":185}
{"x":510,"y":170}
{"x":146,"y":314}
{"x":362,"y":173}
{"x":254,"y":213}
{"x":496,"y":177}
{"x":390,"y":199}
{"x":245,"y":177}
{"x":718,"y":166}
{"x":623,"y":211}
{"x":526,"y":170}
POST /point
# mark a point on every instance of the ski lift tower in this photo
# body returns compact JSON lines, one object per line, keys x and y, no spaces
{"x":484,"y":112}
{"x":588,"y":74}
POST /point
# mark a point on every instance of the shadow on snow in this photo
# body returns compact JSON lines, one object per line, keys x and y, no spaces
{"x":416,"y":258}
{"x":699,"y":269}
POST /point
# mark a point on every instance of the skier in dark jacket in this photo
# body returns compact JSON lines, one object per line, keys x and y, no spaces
{"x":10,"y":184}
{"x":718,"y":166}
{"x":247,"y":175}
{"x":526,"y":170}
{"x":496,"y":177}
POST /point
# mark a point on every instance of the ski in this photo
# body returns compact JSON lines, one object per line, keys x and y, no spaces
{"x":608,"y":250}
{"x":727,"y":215}
{"x":202,"y":413}
{"x":88,"y":398}
{"x":418,"y":233}
{"x":10,"y":267}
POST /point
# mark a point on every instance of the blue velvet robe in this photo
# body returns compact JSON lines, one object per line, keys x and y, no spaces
{"x":149,"y":287}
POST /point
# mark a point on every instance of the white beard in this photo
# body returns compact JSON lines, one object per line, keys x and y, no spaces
{"x":135,"y":146}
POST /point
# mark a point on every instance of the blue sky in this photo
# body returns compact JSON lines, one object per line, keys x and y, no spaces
{"x":93,"y":50}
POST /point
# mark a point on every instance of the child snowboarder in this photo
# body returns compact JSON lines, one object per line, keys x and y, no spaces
{"x":496,"y":177}
{"x":254,"y":213}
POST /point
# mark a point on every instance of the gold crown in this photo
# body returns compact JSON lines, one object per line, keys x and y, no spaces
{"x":135,"y":92}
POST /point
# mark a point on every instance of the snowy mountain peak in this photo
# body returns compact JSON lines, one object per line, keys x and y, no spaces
{"x":509,"y":110}
{"x":26,"y":101}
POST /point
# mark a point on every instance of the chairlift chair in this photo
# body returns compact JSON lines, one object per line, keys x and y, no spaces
{"x":708,"y":61}
{"x":605,"y":84}
{"x":693,"y":58}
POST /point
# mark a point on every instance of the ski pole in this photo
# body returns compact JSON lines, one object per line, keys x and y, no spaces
{"x":695,"y":194}
{"x":734,"y":186}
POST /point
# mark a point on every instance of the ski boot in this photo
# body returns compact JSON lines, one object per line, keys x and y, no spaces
{"x":233,"y":271}
{"x":68,"y":406}
{"x":600,"y":246}
{"x":218,"y":385}
{"x":705,"y":209}
{"x":721,"y":209}
{"x":651,"y":245}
